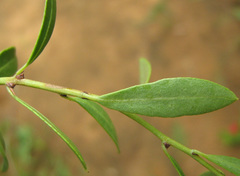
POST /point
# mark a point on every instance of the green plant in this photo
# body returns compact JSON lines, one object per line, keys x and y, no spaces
{"x":30,"y":154}
{"x":172,"y":97}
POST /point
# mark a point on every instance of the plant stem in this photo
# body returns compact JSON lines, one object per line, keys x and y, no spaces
{"x":77,"y":93}
{"x":48,"y":87}
{"x":173,"y":143}
{"x":21,"y":69}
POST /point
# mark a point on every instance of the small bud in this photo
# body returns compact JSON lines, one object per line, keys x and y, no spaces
{"x":166,"y":145}
{"x":21,"y":76}
{"x":193,"y":153}
{"x":11,"y":85}
{"x":63,"y":95}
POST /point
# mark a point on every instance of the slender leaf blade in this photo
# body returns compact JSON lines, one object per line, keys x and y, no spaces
{"x":46,"y":30}
{"x":100,"y":115}
{"x":173,"y":161}
{"x":229,"y":163}
{"x":8,"y":62}
{"x":68,"y":141}
{"x":144,"y":70}
{"x":172,"y":97}
{"x":3,"y":153}
{"x":207,"y":174}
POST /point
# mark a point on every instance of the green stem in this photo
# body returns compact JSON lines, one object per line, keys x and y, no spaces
{"x":21,"y":69}
{"x":4,"y":80}
{"x":48,"y":87}
{"x":77,"y":93}
{"x":173,"y":143}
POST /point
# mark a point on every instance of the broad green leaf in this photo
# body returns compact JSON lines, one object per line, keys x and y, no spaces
{"x":208,"y":174}
{"x":8,"y":62}
{"x":173,"y":161}
{"x":45,"y":32}
{"x":100,"y":115}
{"x":3,"y":154}
{"x":172,"y":97}
{"x":144,"y":70}
{"x":52,"y":126}
{"x":229,"y":163}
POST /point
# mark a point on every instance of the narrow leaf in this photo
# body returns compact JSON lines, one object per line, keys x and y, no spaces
{"x":208,"y":174}
{"x":8,"y":62}
{"x":3,"y":154}
{"x":173,"y":161}
{"x":172,"y":97}
{"x":52,"y":126}
{"x":144,"y":70}
{"x":229,"y":163}
{"x":45,"y":32}
{"x":100,"y":115}
{"x":46,"y":29}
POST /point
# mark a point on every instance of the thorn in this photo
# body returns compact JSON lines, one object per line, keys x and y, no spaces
{"x":166,"y":145}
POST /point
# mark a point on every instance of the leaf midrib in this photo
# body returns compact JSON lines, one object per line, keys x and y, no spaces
{"x":161,"y":98}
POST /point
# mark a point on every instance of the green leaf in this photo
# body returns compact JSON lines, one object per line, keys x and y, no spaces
{"x":46,"y":29}
{"x":172,"y":97}
{"x":45,"y":32}
{"x":208,"y":174}
{"x":100,"y":115}
{"x":145,"y":70}
{"x":52,"y":126}
{"x":3,"y":153}
{"x":8,"y":62}
{"x":229,"y":163}
{"x":173,"y":161}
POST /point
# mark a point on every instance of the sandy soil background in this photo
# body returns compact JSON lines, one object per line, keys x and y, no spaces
{"x":96,"y":46}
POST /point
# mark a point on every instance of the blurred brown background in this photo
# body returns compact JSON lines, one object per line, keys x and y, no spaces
{"x":95,"y":47}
